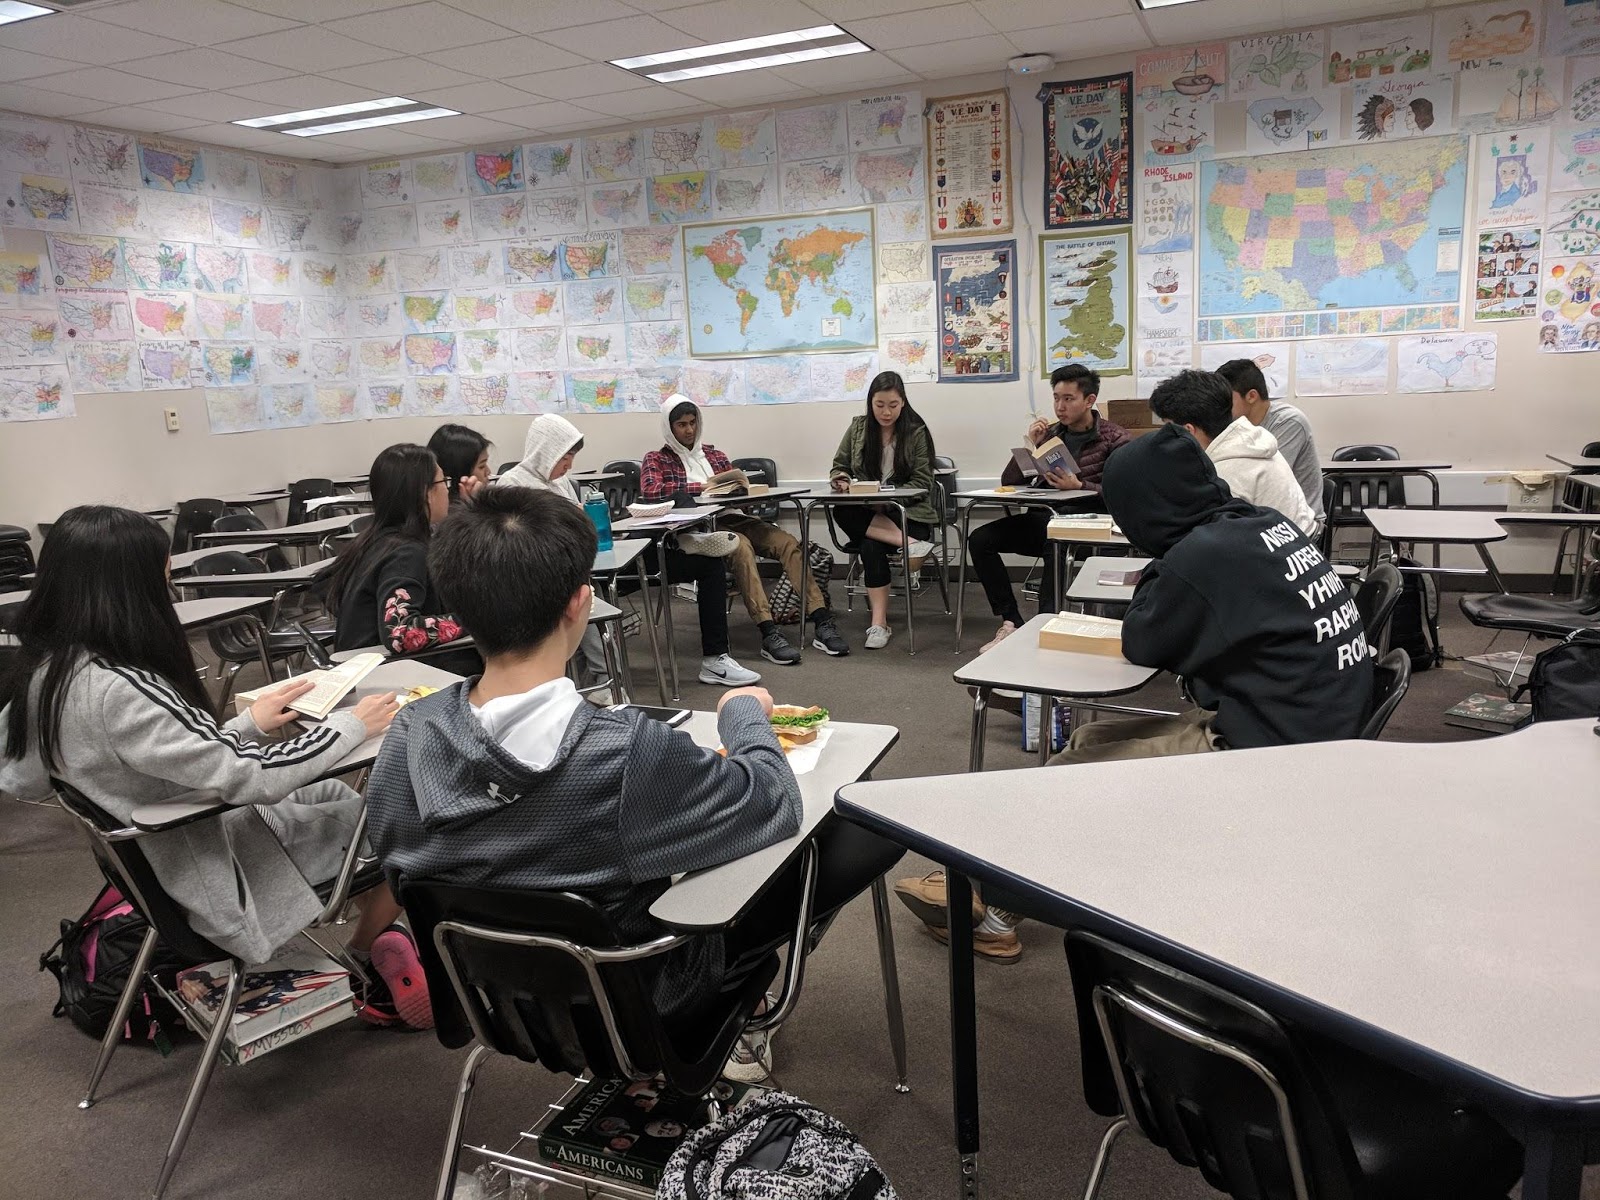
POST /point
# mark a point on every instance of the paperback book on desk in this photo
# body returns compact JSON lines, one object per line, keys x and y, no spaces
{"x":328,"y":687}
{"x":280,"y":1001}
{"x":1082,"y":527}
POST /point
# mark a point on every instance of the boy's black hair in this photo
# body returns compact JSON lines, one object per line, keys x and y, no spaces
{"x":1244,"y":376}
{"x":1088,"y":381}
{"x":1203,"y":399}
{"x":508,"y":562}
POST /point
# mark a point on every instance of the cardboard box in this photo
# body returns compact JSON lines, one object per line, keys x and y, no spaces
{"x":1088,"y":527}
{"x":1082,"y":634}
{"x":865,"y":487}
{"x":1130,"y":414}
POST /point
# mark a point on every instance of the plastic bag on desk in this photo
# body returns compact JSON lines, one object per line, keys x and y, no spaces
{"x":1060,"y":724}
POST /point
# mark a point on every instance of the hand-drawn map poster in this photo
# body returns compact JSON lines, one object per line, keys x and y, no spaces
{"x":1087,"y":136}
{"x":969,"y":180}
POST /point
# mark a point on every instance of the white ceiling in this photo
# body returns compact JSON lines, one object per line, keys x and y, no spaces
{"x":520,"y":69}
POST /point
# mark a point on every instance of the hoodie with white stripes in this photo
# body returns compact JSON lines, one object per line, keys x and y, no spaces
{"x":127,"y":738}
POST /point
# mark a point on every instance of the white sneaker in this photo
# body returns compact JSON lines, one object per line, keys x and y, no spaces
{"x":917,"y":553}
{"x":723,"y":670}
{"x":709,"y":545}
{"x":751,"y":1060}
{"x":878,"y":637}
{"x":1007,"y":628}
{"x":687,"y":591}
{"x":600,"y":697}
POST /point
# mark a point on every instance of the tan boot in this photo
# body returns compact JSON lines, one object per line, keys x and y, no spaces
{"x":999,"y":947}
{"x":928,"y":898}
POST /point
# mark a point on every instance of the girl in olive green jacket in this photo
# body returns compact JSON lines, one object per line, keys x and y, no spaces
{"x":893,"y":445}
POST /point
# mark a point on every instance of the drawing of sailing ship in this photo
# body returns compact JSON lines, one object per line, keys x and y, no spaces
{"x":1194,"y":81}
{"x":1177,"y":134}
{"x":1164,"y":281}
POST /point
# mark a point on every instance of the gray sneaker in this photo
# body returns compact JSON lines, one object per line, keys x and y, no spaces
{"x":878,"y":637}
{"x":724,"y":671}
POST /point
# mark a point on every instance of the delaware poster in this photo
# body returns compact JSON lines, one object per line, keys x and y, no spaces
{"x":1087,"y":139}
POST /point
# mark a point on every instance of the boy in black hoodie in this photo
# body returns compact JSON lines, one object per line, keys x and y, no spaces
{"x":1238,"y":603}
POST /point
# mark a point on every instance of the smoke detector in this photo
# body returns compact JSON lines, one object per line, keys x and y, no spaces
{"x":1031,"y":64}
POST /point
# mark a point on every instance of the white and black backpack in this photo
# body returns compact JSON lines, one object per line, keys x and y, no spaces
{"x":776,"y":1147}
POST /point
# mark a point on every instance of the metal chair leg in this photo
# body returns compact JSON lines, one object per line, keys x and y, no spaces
{"x":108,"y":1044}
{"x":891,"y":981}
{"x":458,"y":1119}
{"x":220,"y":1025}
{"x":1102,"y":1158}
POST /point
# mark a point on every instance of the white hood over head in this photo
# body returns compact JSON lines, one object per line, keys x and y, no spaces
{"x":549,"y":438}
{"x":1246,"y":458}
{"x":695,"y":463}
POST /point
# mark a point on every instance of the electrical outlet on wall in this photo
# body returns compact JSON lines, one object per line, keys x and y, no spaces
{"x":172,"y":420}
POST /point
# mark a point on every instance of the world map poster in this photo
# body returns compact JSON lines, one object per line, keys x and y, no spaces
{"x":1088,"y":135}
{"x":776,"y":285}
{"x":1339,"y":228}
{"x":977,"y":286}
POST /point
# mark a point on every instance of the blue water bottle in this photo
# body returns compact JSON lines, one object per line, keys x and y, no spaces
{"x":600,"y":513}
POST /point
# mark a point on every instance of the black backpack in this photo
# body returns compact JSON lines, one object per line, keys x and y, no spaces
{"x":1414,"y":627}
{"x":1564,"y":683}
{"x":91,"y":961}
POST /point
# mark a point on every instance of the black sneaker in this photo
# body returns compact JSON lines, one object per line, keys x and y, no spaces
{"x":825,"y":637}
{"x":775,"y":648}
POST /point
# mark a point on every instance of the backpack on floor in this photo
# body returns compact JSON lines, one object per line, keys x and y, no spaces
{"x":91,"y":961}
{"x":1414,"y":627}
{"x":1564,"y":683}
{"x":785,"y":601}
{"x":776,"y":1147}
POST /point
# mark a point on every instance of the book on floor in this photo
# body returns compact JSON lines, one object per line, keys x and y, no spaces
{"x":614,"y":1129}
{"x":1491,"y":714}
{"x":1049,"y":455}
{"x":280,"y":1000}
{"x":329,"y":688}
{"x":1082,"y":634}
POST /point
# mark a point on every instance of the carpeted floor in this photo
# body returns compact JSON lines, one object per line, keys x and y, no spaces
{"x":356,"y":1114}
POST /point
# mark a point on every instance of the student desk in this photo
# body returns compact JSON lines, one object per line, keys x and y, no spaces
{"x":1583,"y":523}
{"x":608,"y":564}
{"x":353,"y":501}
{"x":11,"y":607}
{"x":1022,"y":497}
{"x":592,"y":476}
{"x":657,"y":529}
{"x":894,"y":498}
{"x":1391,"y":899}
{"x":718,"y":896}
{"x":350,"y":481}
{"x":261,"y":583}
{"x":187,"y":560}
{"x":1060,"y":547}
{"x":201,"y":614}
{"x":1575,"y":462}
{"x":1019,"y":664}
{"x":1441,"y":527}
{"x":251,"y":499}
{"x":307,"y":533}
{"x":1423,"y":468}
{"x":1086,"y":586}
{"x":783,"y":494}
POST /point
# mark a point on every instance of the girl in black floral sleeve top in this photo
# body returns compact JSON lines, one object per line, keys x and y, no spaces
{"x":380,"y":588}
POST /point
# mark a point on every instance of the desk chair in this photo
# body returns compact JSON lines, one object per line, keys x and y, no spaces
{"x":238,"y":643}
{"x":1375,"y":599}
{"x":1574,"y":499}
{"x":16,"y":557}
{"x":1391,"y":677}
{"x":1538,"y":616}
{"x":247,"y":522}
{"x":1330,"y":496}
{"x":1261,"y":1109}
{"x":769,"y":476}
{"x":1354,"y":493}
{"x":302,"y":490}
{"x":194,"y":517}
{"x":546,"y":978}
{"x":620,"y":493}
{"x":123,"y":862}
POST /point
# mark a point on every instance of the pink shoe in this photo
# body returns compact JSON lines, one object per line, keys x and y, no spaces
{"x":394,"y":958}
{"x":1007,"y":628}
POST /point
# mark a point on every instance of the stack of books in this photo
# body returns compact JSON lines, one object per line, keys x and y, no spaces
{"x":280,"y":1001}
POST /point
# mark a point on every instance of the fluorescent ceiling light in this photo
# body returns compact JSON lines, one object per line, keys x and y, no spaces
{"x":746,"y":54}
{"x":310,"y":122}
{"x":12,"y":11}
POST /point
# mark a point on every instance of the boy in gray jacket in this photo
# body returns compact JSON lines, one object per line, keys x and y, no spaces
{"x":510,"y":781}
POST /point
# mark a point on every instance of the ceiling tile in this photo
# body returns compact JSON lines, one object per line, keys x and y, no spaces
{"x":460,"y":131}
{"x":206,"y":68}
{"x":642,"y":103}
{"x":1083,"y":39}
{"x":1006,"y":15}
{"x":27,"y":98}
{"x":430,"y":26}
{"x":319,"y":10}
{"x":112,"y":87}
{"x":142,"y":120}
{"x":385,"y":140}
{"x":78,"y":39}
{"x":506,"y":57}
{"x":747,"y":87}
{"x":412,"y":75}
{"x":622,"y":38}
{"x":536,"y":16}
{"x":574,"y":83}
{"x":302,"y":92}
{"x":481,"y":97}
{"x":306,"y":49}
{"x":847,"y":11}
{"x":209,"y":106}
{"x":726,"y":20}
{"x":16,"y":64}
{"x":657,"y":6}
{"x":842,"y":74}
{"x":945,"y":26}
{"x":957,"y":57}
{"x":546,"y":116}
{"x":1215,"y":18}
{"x":200,"y":22}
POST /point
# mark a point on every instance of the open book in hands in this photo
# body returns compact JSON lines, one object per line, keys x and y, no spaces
{"x":330,"y":686}
{"x":1049,"y":456}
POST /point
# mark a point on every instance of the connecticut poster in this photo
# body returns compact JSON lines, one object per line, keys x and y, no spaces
{"x":1087,"y":137}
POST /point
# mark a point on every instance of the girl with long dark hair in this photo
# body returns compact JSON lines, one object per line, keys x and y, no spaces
{"x":893,"y":445}
{"x":379,"y":589}
{"x":103,"y":695}
{"x":463,"y":455}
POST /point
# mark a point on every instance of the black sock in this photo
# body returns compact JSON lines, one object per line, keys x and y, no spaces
{"x":768,"y":628}
{"x":1014,"y":615}
{"x":821,"y":615}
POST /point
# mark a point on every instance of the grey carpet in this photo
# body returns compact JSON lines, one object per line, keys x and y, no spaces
{"x":356,"y":1113}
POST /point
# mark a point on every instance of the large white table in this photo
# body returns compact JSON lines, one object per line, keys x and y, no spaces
{"x":1018,"y":497}
{"x":1018,"y":664}
{"x":1433,"y":905}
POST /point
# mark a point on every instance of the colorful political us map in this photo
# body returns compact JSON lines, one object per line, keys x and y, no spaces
{"x":1346,"y":227}
{"x":781,"y":284}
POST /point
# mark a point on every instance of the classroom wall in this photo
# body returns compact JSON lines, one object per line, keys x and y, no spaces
{"x":118,"y":450}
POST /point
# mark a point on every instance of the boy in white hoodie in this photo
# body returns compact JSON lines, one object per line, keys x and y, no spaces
{"x":1245,"y":456}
